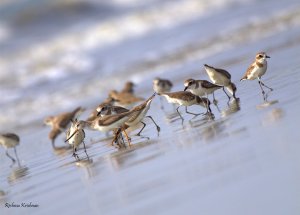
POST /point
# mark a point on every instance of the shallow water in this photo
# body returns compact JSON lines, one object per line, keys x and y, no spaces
{"x":244,"y":161}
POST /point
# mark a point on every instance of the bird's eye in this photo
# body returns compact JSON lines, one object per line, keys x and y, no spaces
{"x":260,"y":55}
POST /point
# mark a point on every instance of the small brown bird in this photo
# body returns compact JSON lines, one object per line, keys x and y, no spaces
{"x":128,"y":88}
{"x":140,"y":113}
{"x":221,"y":77}
{"x":10,"y":140}
{"x":124,"y":99}
{"x":162,"y":86}
{"x":60,"y":122}
{"x":185,"y":98}
{"x":201,"y":87}
{"x":110,"y":122}
{"x":108,"y":109}
{"x":257,"y":69}
{"x":94,"y":114}
{"x":75,"y":136}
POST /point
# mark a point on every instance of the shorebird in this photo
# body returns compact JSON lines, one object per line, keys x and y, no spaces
{"x":94,"y":114}
{"x":135,"y":119}
{"x":110,"y":122}
{"x":139,"y":114}
{"x":201,"y":87}
{"x":128,"y":88}
{"x":75,"y":136}
{"x":185,"y":98}
{"x":10,"y":140}
{"x":60,"y":122}
{"x":108,"y":109}
{"x":162,"y":86}
{"x":124,"y":99}
{"x":221,"y":77}
{"x":257,"y":69}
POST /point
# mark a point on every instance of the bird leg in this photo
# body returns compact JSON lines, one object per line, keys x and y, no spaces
{"x":195,"y":114}
{"x":17,"y":156}
{"x":128,"y":138}
{"x":226,"y":93}
{"x":74,"y":153}
{"x":139,"y":133}
{"x":13,"y":160}
{"x":179,"y":113}
{"x":262,"y":90}
{"x":161,"y":103}
{"x":85,"y":150}
{"x":157,"y":127}
{"x":266,"y":86}
{"x":214,"y":100}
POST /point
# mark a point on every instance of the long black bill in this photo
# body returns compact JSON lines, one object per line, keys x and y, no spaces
{"x":185,"y":88}
{"x":71,"y":136}
{"x":268,"y":56}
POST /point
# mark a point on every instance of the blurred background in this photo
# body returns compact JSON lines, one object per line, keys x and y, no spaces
{"x":56,"y":54}
{"x":59,"y":54}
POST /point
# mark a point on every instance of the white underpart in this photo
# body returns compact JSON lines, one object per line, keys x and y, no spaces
{"x":112,"y":126}
{"x":200,"y":91}
{"x":141,"y":115}
{"x":179,"y":101}
{"x":216,"y":77}
{"x":229,"y":89}
{"x":8,"y":142}
{"x":257,"y":72}
{"x":159,"y":89}
{"x":77,"y":138}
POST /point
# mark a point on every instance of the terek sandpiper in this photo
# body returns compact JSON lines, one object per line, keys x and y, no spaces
{"x":60,"y":122}
{"x":75,"y":136}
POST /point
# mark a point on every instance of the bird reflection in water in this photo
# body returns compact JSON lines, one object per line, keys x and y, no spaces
{"x":208,"y":129}
{"x":129,"y":156}
{"x":267,"y":103}
{"x":17,"y":173}
{"x":273,"y":116}
{"x":87,"y":165}
{"x":233,"y":107}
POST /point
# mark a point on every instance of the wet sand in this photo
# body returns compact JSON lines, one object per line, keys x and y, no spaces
{"x":244,"y":161}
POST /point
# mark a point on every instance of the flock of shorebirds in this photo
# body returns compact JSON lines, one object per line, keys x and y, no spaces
{"x":113,"y":115}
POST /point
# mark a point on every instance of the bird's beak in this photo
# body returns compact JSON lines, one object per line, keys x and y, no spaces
{"x":268,"y":56}
{"x":185,"y":88}
{"x":98,"y":113}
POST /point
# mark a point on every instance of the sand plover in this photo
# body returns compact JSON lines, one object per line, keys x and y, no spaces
{"x":108,"y":109}
{"x":185,"y":98}
{"x":75,"y":136}
{"x":60,"y":122}
{"x":221,"y":77}
{"x":128,"y":88}
{"x":10,"y":140}
{"x":201,"y":88}
{"x":257,"y":69}
{"x":124,"y":99}
{"x":162,"y":86}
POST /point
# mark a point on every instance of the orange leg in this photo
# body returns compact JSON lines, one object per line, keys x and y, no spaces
{"x":128,"y":138}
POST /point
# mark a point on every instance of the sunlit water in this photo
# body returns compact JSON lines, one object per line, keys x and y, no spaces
{"x":244,"y":161}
